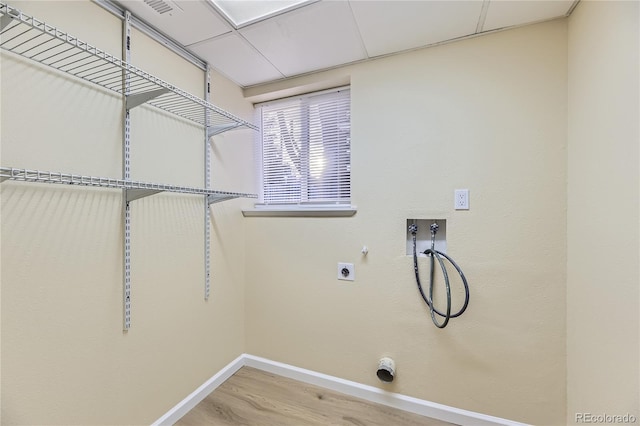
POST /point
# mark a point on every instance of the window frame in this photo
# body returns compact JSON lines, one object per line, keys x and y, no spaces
{"x":336,"y":208}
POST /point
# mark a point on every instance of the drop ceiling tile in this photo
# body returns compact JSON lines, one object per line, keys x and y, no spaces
{"x":317,"y":36}
{"x":391,"y":26}
{"x":502,"y":13}
{"x":234,"y":58}
{"x":186,"y":22}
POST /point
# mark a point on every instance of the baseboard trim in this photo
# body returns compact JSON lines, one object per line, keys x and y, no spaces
{"x":380,"y":396}
{"x":184,"y":406}
{"x":358,"y":390}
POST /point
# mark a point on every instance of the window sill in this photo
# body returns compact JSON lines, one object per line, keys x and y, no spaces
{"x":300,"y":212}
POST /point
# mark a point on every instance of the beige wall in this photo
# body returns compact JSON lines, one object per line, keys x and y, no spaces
{"x":488,"y":114}
{"x":65,"y":358}
{"x":603,"y":241}
{"x":543,"y":338}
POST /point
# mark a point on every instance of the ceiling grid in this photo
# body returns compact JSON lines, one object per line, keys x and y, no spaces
{"x":322,"y":34}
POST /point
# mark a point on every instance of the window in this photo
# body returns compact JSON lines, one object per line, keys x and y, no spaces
{"x":306,"y":151}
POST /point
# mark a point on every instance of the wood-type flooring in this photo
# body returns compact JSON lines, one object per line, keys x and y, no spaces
{"x":252,"y":397}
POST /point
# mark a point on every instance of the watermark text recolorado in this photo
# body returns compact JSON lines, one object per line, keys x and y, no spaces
{"x":605,"y":418}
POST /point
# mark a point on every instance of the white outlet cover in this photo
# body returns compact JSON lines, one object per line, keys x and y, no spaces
{"x":461,"y":197}
{"x":346,"y":271}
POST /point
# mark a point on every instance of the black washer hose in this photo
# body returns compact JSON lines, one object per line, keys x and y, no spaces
{"x":433,"y":253}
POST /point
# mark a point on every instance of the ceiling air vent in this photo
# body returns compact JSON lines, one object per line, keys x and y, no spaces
{"x":159,"y":6}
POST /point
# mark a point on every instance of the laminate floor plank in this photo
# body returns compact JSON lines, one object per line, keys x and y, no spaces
{"x":252,"y":397}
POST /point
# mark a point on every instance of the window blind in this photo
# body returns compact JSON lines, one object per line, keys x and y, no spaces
{"x":306,"y":150}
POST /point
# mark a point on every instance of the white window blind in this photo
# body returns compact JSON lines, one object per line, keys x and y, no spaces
{"x":306,"y":150}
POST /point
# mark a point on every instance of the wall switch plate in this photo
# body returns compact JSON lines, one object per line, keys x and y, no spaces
{"x":461,"y":199}
{"x":346,"y":271}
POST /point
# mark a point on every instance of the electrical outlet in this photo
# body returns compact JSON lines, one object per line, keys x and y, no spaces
{"x":346,"y":271}
{"x":461,"y":197}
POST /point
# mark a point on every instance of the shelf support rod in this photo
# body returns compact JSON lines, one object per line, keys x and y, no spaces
{"x":126,"y":171}
{"x":141,"y":98}
{"x":207,"y":185}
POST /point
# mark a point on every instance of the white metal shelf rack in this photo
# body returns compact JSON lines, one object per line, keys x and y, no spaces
{"x":38,"y":41}
{"x":134,"y":189}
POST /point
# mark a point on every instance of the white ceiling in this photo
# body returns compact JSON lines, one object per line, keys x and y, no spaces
{"x":329,"y":33}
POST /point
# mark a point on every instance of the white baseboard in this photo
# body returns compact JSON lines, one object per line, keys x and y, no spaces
{"x":184,"y":406}
{"x":377,"y":395}
{"x":358,"y":390}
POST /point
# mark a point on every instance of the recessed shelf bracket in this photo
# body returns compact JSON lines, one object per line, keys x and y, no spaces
{"x":138,"y":99}
{"x":214,"y":198}
{"x":136,"y":194}
{"x":4,"y":21}
{"x":216,"y":130}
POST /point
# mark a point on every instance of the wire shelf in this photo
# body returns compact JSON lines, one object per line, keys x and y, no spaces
{"x":31,"y":38}
{"x":137,"y":189}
